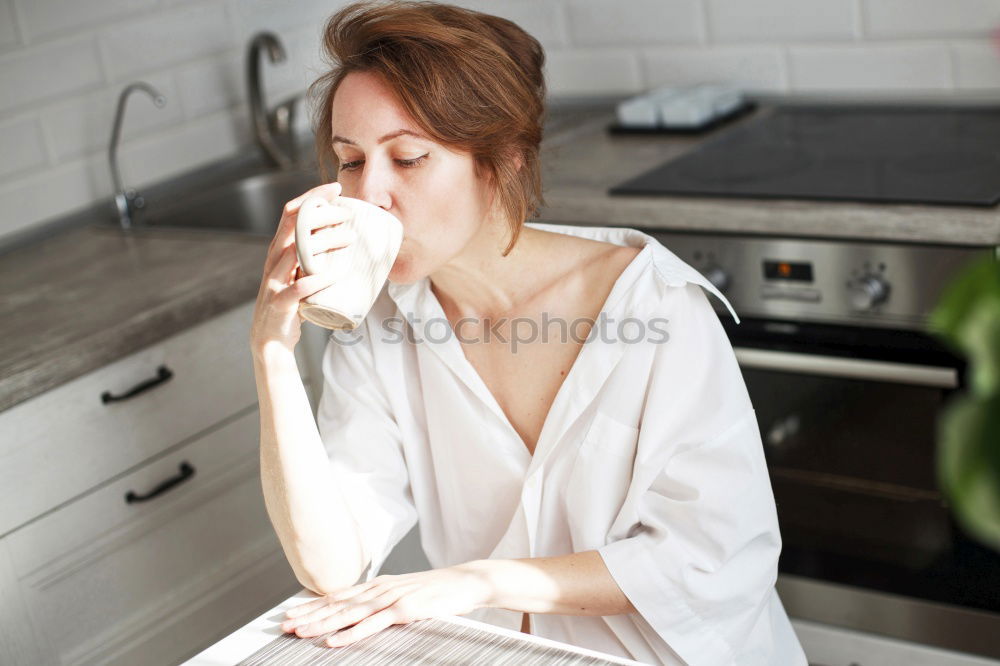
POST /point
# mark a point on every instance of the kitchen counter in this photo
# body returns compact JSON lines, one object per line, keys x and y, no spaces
{"x":86,"y":297}
{"x":265,"y":628}
{"x":585,"y":160}
{"x":90,"y":293}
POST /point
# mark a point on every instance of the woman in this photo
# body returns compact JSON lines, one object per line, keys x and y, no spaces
{"x":610,"y":493}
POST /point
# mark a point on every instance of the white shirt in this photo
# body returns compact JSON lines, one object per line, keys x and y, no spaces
{"x":650,"y":454}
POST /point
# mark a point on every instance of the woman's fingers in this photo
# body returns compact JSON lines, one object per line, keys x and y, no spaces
{"x":284,"y":263}
{"x":309,"y":284}
{"x":276,"y":252}
{"x":333,"y":603}
{"x":296,"y":286}
{"x":287,"y":228}
{"x":331,"y":238}
{"x":334,"y":620}
{"x":370,"y":626}
{"x":330,"y":190}
{"x":285,"y":233}
{"x":344,"y":614}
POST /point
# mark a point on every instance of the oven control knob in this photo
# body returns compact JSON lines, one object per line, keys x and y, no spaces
{"x":718,"y":276}
{"x":869,"y":291}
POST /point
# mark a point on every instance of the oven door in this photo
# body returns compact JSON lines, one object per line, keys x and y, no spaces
{"x":848,"y":420}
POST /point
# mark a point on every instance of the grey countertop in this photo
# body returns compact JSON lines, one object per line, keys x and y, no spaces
{"x":89,"y":293}
{"x":88,"y":296}
{"x":585,"y":160}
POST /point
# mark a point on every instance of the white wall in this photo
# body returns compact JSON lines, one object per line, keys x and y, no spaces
{"x":64,"y":62}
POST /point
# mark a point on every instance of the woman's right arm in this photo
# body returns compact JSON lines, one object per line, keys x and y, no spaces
{"x":310,"y":516}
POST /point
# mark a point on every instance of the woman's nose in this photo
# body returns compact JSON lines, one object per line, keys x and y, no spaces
{"x":373,"y":187}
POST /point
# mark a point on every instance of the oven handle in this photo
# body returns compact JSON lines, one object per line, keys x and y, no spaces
{"x":835,"y":366}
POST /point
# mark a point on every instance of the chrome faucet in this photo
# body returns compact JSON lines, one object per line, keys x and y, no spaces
{"x":262,"y":124}
{"x":282,"y":119}
{"x":126,"y":200}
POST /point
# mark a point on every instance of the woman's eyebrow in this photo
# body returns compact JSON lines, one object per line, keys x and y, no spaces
{"x":390,"y":135}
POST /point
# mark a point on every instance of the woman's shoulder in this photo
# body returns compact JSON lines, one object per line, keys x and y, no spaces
{"x":670,"y":271}
{"x":609,"y":261}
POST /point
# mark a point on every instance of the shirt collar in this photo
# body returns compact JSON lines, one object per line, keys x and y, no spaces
{"x":413,"y":298}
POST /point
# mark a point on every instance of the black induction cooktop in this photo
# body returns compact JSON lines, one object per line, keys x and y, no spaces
{"x":873,"y":153}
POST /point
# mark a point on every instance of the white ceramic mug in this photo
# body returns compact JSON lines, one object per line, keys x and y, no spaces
{"x":361,"y":268}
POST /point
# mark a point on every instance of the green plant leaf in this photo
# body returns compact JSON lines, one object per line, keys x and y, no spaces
{"x":978,"y":280}
{"x":967,"y":318}
{"x":980,"y":337}
{"x":969,"y":464}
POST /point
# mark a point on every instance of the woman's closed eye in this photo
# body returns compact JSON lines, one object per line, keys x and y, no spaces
{"x":351,"y":166}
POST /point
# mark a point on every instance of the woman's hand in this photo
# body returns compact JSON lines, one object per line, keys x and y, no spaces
{"x":275,"y":319}
{"x":388,"y":600}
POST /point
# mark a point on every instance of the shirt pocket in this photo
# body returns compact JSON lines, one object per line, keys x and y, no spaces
{"x":599,"y":479}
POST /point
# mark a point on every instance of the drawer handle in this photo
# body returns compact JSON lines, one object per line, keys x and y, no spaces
{"x":163,"y":373}
{"x":186,"y":473}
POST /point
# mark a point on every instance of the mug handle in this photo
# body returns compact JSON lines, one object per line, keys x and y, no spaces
{"x":303,"y":234}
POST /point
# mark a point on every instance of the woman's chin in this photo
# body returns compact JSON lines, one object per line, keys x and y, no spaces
{"x":400,"y":274}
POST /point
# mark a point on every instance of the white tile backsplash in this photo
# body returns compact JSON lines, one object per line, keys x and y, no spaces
{"x":22,"y":145}
{"x":63,"y":64}
{"x":59,"y":189}
{"x":171,"y":152}
{"x":9,"y":37}
{"x":847,"y":67}
{"x":632,"y":22}
{"x":43,"y":19}
{"x":42,"y":72}
{"x":605,"y":71}
{"x":755,"y":68}
{"x":81,"y":125}
{"x":165,"y":38}
{"x":289,"y":76}
{"x":311,"y":57}
{"x":782,"y":20}
{"x":930,"y":18}
{"x":543,"y":20}
{"x":211,"y":84}
{"x":976,"y":65}
{"x":251,"y":16}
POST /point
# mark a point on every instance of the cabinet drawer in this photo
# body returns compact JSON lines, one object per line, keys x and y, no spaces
{"x":101,"y":574}
{"x":68,"y":440}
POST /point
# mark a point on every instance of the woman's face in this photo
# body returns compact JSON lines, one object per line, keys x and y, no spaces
{"x":430,"y":188}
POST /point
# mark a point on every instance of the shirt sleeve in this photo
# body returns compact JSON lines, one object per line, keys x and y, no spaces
{"x":700,"y":562}
{"x":364,"y":444}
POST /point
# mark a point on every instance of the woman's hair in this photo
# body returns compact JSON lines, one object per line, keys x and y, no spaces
{"x":471,"y":81}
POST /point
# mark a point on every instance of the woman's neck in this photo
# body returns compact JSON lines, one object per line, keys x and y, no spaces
{"x":481,"y":283}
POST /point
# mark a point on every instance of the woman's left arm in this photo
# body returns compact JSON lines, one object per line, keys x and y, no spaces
{"x":576,"y":584}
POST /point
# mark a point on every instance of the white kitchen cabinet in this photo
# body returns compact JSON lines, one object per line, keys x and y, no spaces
{"x":838,"y":646}
{"x":102,"y":576}
{"x":18,"y":642}
{"x":89,"y":577}
{"x":74,"y":440}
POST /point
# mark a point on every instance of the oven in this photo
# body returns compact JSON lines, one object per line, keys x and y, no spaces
{"x":848,"y":387}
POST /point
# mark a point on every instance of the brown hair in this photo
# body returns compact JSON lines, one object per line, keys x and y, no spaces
{"x":471,"y":81}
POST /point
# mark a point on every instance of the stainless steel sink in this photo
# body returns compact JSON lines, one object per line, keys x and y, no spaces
{"x":251,"y":205}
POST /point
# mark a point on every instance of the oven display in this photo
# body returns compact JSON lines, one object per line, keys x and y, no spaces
{"x":788,"y":270}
